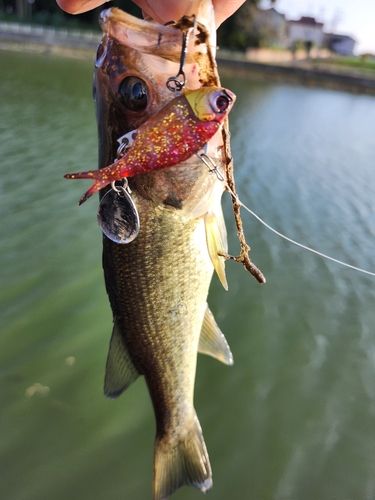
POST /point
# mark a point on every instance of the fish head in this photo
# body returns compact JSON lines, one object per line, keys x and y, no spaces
{"x":134,"y":61}
{"x":135,"y":58}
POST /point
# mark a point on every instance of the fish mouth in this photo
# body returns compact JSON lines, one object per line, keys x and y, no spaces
{"x":141,"y":34}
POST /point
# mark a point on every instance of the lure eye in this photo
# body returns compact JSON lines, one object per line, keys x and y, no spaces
{"x":222,"y":102}
{"x":133,"y":93}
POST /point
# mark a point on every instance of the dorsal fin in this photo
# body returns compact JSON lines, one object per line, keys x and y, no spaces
{"x":216,"y":236}
{"x":212,"y":340}
{"x":120,"y":371}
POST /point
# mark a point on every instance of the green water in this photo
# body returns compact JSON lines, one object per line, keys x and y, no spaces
{"x":294,"y":418}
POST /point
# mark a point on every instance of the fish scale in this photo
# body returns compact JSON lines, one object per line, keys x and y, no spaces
{"x":153,"y":297}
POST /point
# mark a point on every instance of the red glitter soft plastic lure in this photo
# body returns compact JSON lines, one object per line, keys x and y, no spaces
{"x":176,"y":132}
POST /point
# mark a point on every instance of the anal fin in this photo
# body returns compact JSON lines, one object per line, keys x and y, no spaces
{"x":212,"y":340}
{"x":120,"y":371}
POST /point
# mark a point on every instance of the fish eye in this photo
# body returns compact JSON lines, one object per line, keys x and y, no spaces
{"x":133,"y":93}
{"x":222,"y":103}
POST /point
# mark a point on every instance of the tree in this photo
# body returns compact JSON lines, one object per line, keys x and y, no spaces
{"x":237,"y":32}
{"x":23,"y":9}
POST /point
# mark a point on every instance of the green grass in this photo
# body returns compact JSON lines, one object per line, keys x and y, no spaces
{"x":349,"y":62}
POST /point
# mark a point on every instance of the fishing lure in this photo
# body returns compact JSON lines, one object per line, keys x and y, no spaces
{"x":174,"y":134}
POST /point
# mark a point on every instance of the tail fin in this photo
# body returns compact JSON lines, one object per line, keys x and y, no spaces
{"x":184,"y":463}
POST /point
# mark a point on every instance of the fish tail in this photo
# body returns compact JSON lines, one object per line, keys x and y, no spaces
{"x":100,"y":181}
{"x":182,"y":463}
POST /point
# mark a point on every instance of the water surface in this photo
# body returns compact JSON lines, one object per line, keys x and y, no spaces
{"x":294,"y":418}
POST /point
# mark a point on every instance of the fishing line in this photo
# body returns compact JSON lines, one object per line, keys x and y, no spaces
{"x":296,"y":242}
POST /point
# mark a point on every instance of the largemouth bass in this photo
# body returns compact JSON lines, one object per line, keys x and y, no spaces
{"x":158,"y":284}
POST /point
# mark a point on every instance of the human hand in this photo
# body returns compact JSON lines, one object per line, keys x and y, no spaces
{"x":161,"y":11}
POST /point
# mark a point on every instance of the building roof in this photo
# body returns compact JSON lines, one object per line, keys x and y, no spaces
{"x":272,"y":10}
{"x":307,"y":21}
{"x":336,"y":36}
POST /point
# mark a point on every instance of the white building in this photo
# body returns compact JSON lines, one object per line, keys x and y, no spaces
{"x":341,"y":44}
{"x":306,"y":29}
{"x":272,"y":26}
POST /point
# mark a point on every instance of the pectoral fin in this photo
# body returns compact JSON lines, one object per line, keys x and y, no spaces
{"x":120,"y":371}
{"x":216,"y":237}
{"x":212,"y":340}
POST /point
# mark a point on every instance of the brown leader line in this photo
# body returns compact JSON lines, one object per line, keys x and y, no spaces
{"x":243,"y":258}
{"x":212,"y":78}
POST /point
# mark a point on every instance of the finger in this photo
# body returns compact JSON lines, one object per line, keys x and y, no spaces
{"x":163,"y":11}
{"x":224,"y":9}
{"x":79,"y":6}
